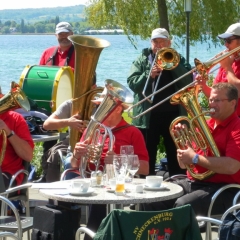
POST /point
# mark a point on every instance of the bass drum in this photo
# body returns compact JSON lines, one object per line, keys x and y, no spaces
{"x":49,"y":86}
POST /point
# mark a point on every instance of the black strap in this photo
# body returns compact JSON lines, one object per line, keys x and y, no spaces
{"x":52,"y":58}
{"x":70,"y":52}
{"x":121,"y":127}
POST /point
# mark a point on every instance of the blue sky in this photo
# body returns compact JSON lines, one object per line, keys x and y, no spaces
{"x":13,"y":4}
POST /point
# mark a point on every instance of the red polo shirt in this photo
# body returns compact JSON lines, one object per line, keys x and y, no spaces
{"x":221,"y":77}
{"x":12,"y":162}
{"x":126,"y":136}
{"x":227,"y":139}
{"x":60,"y":57}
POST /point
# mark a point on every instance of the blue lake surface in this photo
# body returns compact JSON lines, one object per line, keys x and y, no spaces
{"x":18,"y":51}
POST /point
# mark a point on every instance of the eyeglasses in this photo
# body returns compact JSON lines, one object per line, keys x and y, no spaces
{"x":217,"y":100}
{"x":229,"y":40}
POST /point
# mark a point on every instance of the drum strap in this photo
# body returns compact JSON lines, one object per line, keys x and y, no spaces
{"x":52,"y":58}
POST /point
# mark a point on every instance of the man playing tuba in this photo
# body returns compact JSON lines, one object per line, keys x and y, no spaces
{"x":224,"y":125}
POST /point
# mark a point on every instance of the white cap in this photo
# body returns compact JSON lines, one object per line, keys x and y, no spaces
{"x":159,"y":33}
{"x":63,"y":27}
{"x":234,"y":29}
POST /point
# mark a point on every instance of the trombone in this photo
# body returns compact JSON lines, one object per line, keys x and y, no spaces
{"x":166,"y":58}
{"x":201,"y":67}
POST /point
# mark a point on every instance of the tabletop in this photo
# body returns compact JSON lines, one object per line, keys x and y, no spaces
{"x":102,"y":195}
{"x":45,"y":137}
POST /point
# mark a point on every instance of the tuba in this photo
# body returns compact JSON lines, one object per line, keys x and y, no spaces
{"x":97,"y":132}
{"x":87,"y":51}
{"x":11,"y":101}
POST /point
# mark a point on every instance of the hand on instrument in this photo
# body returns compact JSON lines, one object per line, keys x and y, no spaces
{"x":156,"y":70}
{"x":185,"y":156}
{"x":227,"y":62}
{"x":109,"y":157}
{"x":74,"y":122}
{"x":3,"y":126}
{"x":201,"y":80}
{"x":80,"y":149}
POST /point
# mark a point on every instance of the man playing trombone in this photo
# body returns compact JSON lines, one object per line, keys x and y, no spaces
{"x":146,"y":75}
{"x":229,"y":67}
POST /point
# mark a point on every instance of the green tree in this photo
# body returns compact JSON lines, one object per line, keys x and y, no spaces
{"x":22,"y":26}
{"x":5,"y":30}
{"x":139,"y":17}
{"x":39,"y":27}
{"x":57,"y":20}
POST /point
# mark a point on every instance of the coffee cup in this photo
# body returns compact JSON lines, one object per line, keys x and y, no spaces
{"x":80,"y":186}
{"x":154,"y":181}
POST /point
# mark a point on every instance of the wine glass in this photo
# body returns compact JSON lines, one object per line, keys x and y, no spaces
{"x":127,"y":149}
{"x":133,"y":166}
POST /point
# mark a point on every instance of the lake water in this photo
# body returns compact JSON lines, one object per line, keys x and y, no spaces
{"x":18,"y":51}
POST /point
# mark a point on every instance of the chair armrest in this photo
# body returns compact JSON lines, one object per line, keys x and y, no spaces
{"x":67,"y":171}
{"x":16,"y":174}
{"x":17,"y":188}
{"x":174,"y":177}
{"x":207,"y":219}
{"x":84,"y":230}
{"x":217,"y":193}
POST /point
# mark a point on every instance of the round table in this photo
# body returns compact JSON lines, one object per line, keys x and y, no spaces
{"x":101,"y":195}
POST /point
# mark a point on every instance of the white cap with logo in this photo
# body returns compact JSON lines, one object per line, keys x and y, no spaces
{"x":63,"y":27}
{"x":234,"y":29}
{"x":159,"y":33}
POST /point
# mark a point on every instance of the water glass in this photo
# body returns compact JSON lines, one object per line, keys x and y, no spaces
{"x":127,"y":149}
{"x":120,"y":162}
{"x":133,"y":167}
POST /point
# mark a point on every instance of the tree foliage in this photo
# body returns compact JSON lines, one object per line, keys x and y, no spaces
{"x":140,"y":17}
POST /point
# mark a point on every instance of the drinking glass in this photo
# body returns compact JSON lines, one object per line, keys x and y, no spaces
{"x":133,"y":166}
{"x":127,"y":149}
{"x":120,"y":163}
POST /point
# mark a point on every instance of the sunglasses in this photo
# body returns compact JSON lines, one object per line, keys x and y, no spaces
{"x":229,"y":40}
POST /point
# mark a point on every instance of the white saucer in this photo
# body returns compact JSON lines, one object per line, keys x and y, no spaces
{"x":110,"y":190}
{"x":89,"y":192}
{"x":162,"y":187}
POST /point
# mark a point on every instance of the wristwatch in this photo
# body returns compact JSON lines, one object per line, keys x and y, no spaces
{"x":11,"y":134}
{"x":195,"y":159}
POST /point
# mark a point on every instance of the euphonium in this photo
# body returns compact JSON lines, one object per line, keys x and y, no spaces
{"x":10,"y":101}
{"x":87,"y":51}
{"x":97,"y":132}
{"x":199,"y":133}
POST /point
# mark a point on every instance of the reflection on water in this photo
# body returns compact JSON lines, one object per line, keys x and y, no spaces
{"x":18,"y":51}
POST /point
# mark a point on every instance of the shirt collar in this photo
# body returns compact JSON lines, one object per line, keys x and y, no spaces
{"x":211,"y":122}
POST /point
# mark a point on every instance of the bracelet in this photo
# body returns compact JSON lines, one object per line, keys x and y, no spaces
{"x":77,"y":159}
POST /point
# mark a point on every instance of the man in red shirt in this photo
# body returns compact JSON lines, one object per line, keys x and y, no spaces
{"x":229,"y":67}
{"x":19,"y":145}
{"x":225,"y":129}
{"x":63,"y":54}
{"x":129,"y":135}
